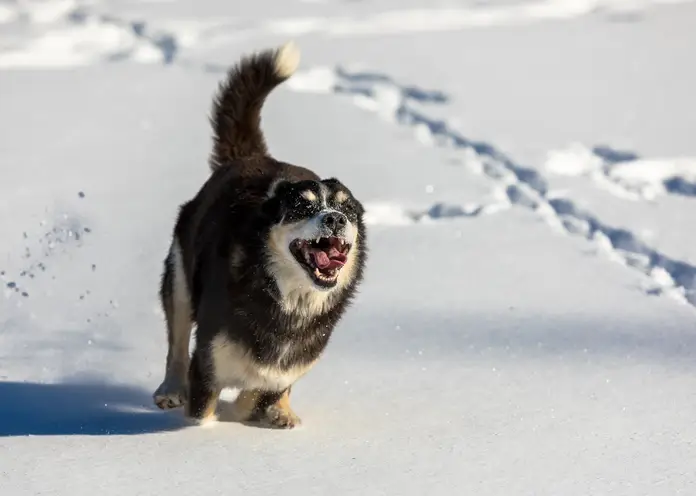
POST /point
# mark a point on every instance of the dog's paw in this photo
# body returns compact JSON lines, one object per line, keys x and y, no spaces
{"x":280,"y":418}
{"x":170,"y":394}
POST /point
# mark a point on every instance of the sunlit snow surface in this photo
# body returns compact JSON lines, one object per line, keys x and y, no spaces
{"x":527,"y":323}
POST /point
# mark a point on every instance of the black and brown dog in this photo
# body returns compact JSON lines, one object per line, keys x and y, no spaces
{"x":264,"y":260}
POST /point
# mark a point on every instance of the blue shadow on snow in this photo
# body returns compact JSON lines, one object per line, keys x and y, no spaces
{"x":90,"y":409}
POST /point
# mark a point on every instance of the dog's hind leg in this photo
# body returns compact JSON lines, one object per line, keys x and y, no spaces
{"x":271,"y":408}
{"x":176,"y":303}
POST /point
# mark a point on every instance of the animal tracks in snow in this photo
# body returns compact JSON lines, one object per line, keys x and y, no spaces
{"x":522,"y":186}
{"x":73,"y":35}
{"x":625,"y":174}
{"x":77,"y":33}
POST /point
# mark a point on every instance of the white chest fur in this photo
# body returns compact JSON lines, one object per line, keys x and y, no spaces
{"x":235,"y":367}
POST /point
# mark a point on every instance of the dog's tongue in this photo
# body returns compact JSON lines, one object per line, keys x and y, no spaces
{"x":330,"y":259}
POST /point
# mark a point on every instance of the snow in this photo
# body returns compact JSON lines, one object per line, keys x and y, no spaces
{"x":527,"y":322}
{"x":624,"y":173}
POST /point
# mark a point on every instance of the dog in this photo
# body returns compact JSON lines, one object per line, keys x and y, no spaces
{"x":264,"y":261}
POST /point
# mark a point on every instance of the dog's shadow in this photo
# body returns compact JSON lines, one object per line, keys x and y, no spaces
{"x":83,"y":408}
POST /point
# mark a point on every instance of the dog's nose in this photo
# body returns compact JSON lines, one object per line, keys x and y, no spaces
{"x":334,"y":220}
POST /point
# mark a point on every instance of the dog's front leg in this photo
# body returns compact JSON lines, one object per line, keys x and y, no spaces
{"x":203,"y":391}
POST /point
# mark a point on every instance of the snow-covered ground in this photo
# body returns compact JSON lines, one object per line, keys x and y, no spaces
{"x":528,"y":320}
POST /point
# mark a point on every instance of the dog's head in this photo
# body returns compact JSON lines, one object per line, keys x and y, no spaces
{"x":315,"y":235}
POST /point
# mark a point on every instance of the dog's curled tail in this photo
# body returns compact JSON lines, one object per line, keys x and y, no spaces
{"x":236,"y":116}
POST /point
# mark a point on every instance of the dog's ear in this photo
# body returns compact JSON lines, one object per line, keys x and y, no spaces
{"x":334,"y":183}
{"x":272,"y":208}
{"x":278,"y":187}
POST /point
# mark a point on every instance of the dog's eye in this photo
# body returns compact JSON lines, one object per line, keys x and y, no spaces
{"x":302,"y":204}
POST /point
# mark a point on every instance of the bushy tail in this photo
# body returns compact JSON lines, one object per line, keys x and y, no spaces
{"x":236,"y":117}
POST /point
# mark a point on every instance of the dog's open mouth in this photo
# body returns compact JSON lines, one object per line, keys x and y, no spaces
{"x":323,"y":258}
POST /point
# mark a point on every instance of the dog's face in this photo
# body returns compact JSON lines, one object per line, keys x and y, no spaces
{"x":314,"y":234}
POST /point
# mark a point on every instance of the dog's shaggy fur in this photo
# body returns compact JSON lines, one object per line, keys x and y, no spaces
{"x":264,"y":260}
